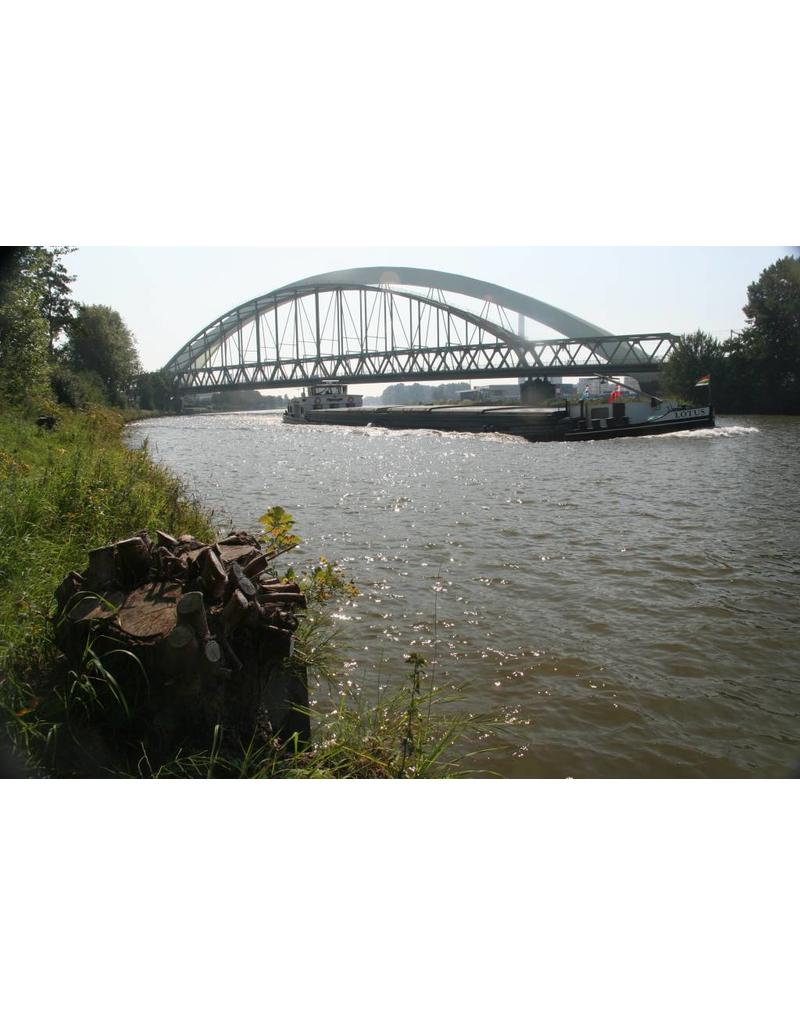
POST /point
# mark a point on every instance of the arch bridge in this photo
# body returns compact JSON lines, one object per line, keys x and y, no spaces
{"x":383,"y":324}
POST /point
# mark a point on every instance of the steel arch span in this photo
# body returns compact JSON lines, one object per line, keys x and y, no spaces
{"x":382,"y":324}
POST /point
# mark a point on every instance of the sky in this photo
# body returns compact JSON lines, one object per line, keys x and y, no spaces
{"x":166,"y":293}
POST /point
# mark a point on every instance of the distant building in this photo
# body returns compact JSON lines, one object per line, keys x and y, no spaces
{"x":491,"y":393}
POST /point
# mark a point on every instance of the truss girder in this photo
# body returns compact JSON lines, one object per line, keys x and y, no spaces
{"x":574,"y":357}
{"x":374,"y":333}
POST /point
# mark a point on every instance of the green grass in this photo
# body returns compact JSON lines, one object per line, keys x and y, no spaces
{"x":353,"y":740}
{"x":65,"y":491}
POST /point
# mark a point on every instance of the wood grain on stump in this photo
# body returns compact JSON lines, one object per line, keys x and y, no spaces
{"x":210,"y":632}
{"x":150,"y":610}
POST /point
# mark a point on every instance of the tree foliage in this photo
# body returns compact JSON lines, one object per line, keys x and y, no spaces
{"x":693,"y":356}
{"x":23,"y":333}
{"x":100,"y":342}
{"x":45,"y":265}
{"x":154,"y":390}
{"x":77,"y":390}
{"x":758,"y":370}
{"x":771,"y":340}
{"x":234,"y":400}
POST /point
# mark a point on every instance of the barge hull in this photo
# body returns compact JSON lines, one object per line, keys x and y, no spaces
{"x":531,"y":424}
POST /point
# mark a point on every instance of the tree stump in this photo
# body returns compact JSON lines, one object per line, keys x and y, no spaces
{"x":203,"y":631}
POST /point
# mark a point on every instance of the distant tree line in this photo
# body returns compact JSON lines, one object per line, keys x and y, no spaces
{"x":757,"y":370}
{"x":421,"y":394}
{"x":233,"y":401}
{"x":52,"y":347}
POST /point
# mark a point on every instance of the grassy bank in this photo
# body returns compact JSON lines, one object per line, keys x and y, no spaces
{"x":77,"y":487}
{"x":63,"y":492}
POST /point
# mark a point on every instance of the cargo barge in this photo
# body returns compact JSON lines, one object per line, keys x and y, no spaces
{"x":583,"y":419}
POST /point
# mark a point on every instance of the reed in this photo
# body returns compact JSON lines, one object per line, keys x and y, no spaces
{"x":356,"y":738}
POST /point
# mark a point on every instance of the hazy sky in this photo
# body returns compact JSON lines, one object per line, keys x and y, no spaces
{"x":167,"y":294}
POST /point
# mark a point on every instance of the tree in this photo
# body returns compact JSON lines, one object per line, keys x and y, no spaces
{"x":757,"y":370}
{"x":77,"y":390}
{"x":45,"y":265}
{"x":771,"y":340}
{"x":693,"y":356}
{"x":99,"y":341}
{"x":23,"y":333}
{"x":155,"y":390}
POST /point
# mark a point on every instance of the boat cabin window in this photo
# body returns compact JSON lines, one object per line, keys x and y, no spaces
{"x":328,"y":387}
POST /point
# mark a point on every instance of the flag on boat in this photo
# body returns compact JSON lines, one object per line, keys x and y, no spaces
{"x":704,"y":381}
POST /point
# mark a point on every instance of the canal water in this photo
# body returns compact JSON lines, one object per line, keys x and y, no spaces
{"x":625,"y":608}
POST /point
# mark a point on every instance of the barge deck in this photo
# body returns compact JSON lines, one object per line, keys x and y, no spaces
{"x":532,"y":424}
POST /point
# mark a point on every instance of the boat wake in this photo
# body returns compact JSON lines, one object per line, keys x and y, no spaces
{"x":689,"y":435}
{"x":372,"y":430}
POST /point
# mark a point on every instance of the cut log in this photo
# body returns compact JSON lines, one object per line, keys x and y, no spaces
{"x":274,"y":586}
{"x":231,"y":656}
{"x":238,"y":581}
{"x":212,"y":652}
{"x":181,"y":638}
{"x":83,"y":606}
{"x":285,"y":689}
{"x":240,"y":537}
{"x":234,"y":611}
{"x":110,"y":603}
{"x":169,"y":566}
{"x":192,"y":613}
{"x":70,"y":585}
{"x":188,"y":541}
{"x":213,"y":574}
{"x":281,"y":638}
{"x":241,"y":553}
{"x":134,"y":559}
{"x":255,"y":566}
{"x":189,"y":619}
{"x":102,"y":567}
{"x":282,"y":598}
{"x":150,"y":612}
{"x":177,"y":653}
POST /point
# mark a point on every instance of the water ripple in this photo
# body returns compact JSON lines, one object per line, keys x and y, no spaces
{"x":633,"y":600}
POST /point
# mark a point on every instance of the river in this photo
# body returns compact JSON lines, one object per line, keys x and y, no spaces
{"x":626,"y":608}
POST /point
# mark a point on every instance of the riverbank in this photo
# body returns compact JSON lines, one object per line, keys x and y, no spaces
{"x":78,"y":486}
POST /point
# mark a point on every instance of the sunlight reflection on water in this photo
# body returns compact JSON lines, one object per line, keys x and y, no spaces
{"x":633,"y":601}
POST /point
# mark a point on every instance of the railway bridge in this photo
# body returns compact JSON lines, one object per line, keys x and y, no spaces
{"x":384,"y":324}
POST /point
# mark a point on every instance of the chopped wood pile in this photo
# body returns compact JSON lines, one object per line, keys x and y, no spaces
{"x":209,"y":627}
